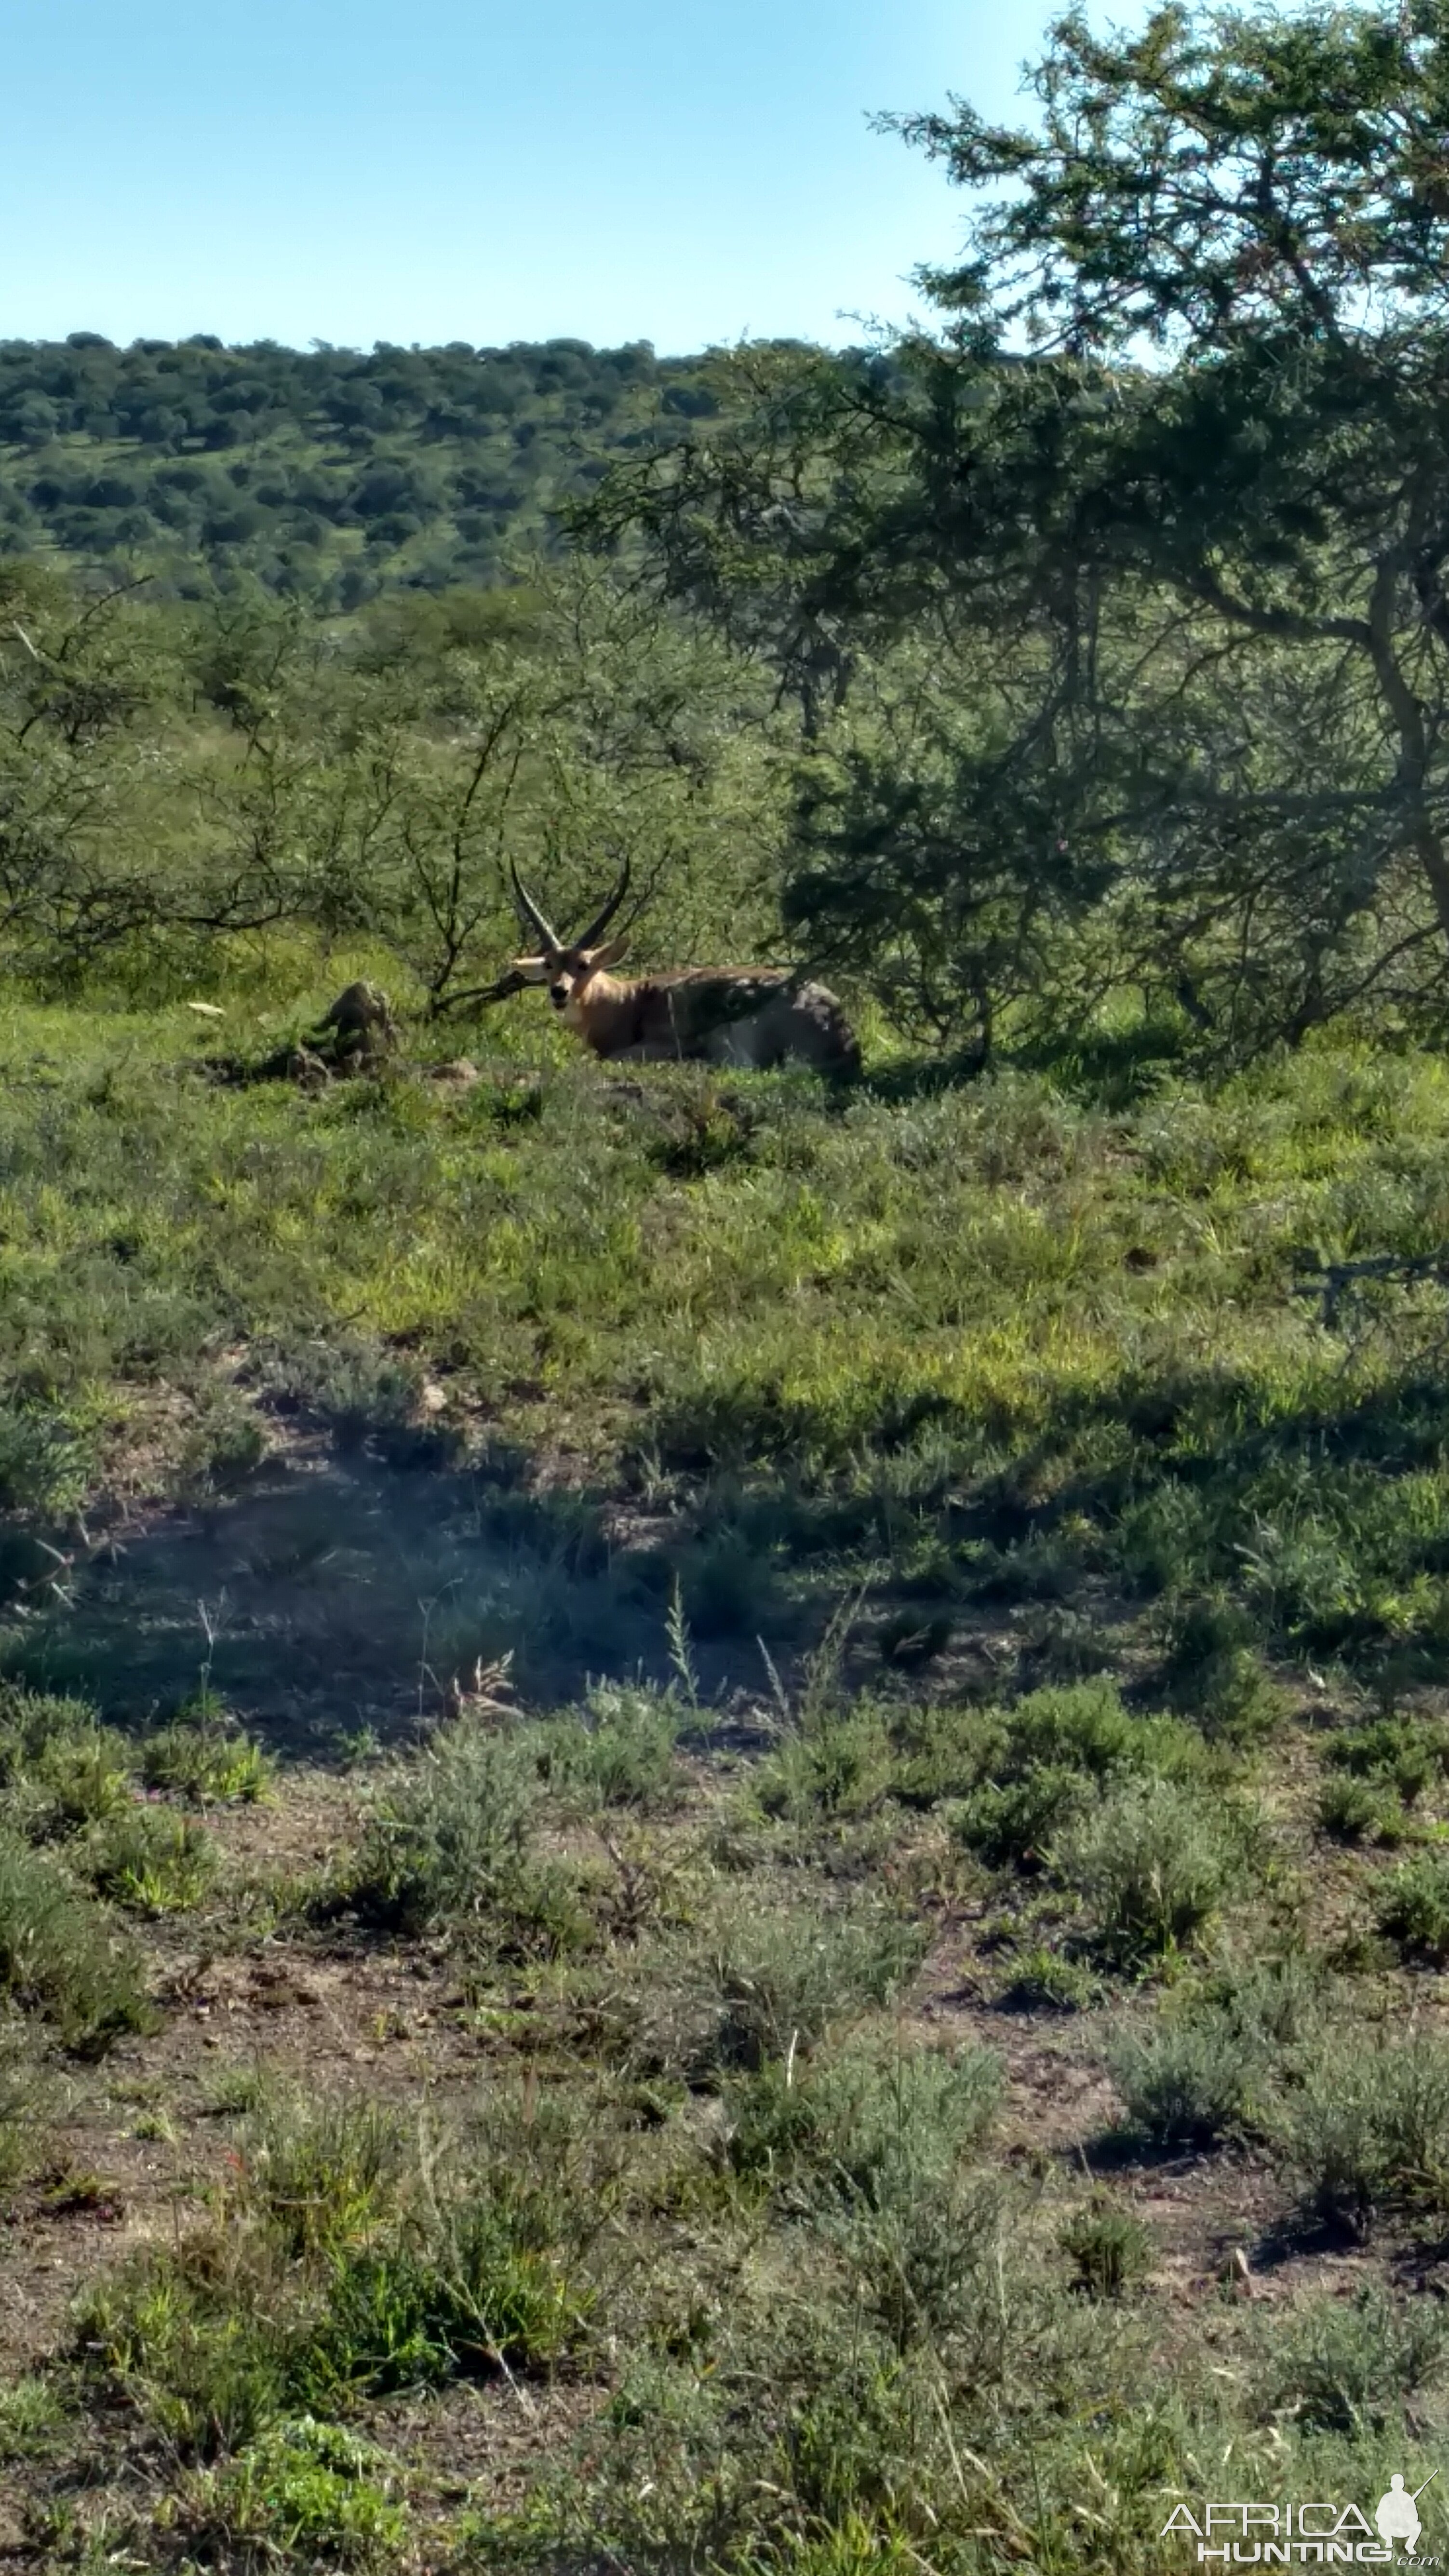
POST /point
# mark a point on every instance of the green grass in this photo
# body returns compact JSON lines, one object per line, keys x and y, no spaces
{"x":821,"y":1343}
{"x":715,"y":2037}
{"x":312,"y":2491}
{"x":341,"y":2270}
{"x":60,"y":1955}
{"x":905,"y":1338}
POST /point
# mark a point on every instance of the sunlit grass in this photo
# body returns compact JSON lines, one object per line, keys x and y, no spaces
{"x":968,"y":1318}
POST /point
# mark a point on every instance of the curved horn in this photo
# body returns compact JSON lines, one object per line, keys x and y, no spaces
{"x":531,"y":913}
{"x":601,"y":920}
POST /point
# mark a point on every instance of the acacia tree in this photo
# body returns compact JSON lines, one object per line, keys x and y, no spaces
{"x":106,"y":852}
{"x":1167,"y":497}
{"x":1261,"y":205}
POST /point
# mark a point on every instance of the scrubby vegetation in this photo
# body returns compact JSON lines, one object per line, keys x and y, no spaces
{"x":326,"y":474}
{"x":725,"y":1801}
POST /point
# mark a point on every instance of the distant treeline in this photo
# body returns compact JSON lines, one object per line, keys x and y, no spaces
{"x":327,"y":472}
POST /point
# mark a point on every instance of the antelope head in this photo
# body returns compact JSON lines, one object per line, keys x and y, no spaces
{"x":567,"y":966}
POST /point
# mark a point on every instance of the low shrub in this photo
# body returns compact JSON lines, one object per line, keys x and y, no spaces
{"x":753,"y":1985}
{"x":1110,"y":2250}
{"x":59,"y":1955}
{"x":31,"y":1720}
{"x":1015,"y":1822}
{"x":316,"y":2491}
{"x":477,"y":2294}
{"x":921,"y":2263}
{"x":837,"y":1762}
{"x":343,"y":2268}
{"x":1369,"y":2126}
{"x":1361,"y":1811}
{"x":1402,"y":1753}
{"x":206,"y":1756}
{"x":1041,"y":1766}
{"x":1151,"y":1864}
{"x":150,"y":1860}
{"x":1040,"y":1979}
{"x":449,"y":1840}
{"x":196,"y":2340}
{"x":1184,"y":2081}
{"x":1215,"y":1675}
{"x":860,"y":2116}
{"x":1214,"y":2060}
{"x":19,"y":2099}
{"x":1412,"y":1906}
{"x":80,"y":1775}
{"x":323,"y":2173}
{"x":621,"y":1753}
{"x":1346,"y":2365}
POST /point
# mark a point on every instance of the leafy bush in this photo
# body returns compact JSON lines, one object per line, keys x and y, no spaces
{"x":59,"y":1955}
{"x":205,"y":1755}
{"x":752,"y":1985}
{"x":1109,"y":2248}
{"x":30,"y":1720}
{"x":621,"y":1753}
{"x":315,"y":2490}
{"x":1412,"y":1906}
{"x":1369,"y":2126}
{"x":150,"y":1861}
{"x":1346,"y":2365}
{"x":33,"y":2418}
{"x":860,"y":2117}
{"x":870,"y":2143}
{"x":1151,"y":1864}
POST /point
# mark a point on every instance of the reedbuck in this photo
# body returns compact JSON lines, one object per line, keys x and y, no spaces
{"x":754,"y":1016}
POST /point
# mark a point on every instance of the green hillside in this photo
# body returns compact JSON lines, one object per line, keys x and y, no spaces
{"x":327,"y":472}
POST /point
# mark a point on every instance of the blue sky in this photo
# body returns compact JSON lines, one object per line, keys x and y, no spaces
{"x":458,"y":169}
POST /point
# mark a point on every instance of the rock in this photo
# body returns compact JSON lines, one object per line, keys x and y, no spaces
{"x":307,"y":1070}
{"x":361,"y":1023}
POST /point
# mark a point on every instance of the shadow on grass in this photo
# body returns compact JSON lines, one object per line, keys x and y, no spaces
{"x":1319,"y":1518}
{"x":1111,"y":1069}
{"x":345,"y":1584}
{"x":335,"y":1590}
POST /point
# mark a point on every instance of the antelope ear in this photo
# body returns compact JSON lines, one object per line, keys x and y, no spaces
{"x":610,"y":953}
{"x":534,"y":970}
